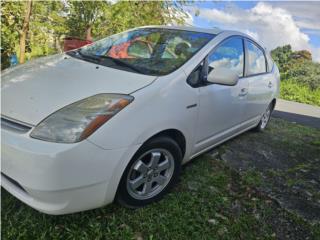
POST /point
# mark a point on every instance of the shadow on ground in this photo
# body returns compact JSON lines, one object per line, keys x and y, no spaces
{"x":284,"y":163}
{"x":298,"y":118}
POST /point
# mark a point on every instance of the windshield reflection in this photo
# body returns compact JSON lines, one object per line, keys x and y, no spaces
{"x":151,"y":51}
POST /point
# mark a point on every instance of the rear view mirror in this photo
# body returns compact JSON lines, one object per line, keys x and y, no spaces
{"x":223,"y":76}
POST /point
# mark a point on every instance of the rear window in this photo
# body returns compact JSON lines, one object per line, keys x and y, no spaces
{"x":256,"y":59}
{"x":269,"y":62}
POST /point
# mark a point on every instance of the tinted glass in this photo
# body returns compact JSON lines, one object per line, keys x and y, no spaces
{"x":256,"y":59}
{"x":139,"y":49}
{"x":229,"y":54}
{"x":194,"y":77}
{"x":152,"y":51}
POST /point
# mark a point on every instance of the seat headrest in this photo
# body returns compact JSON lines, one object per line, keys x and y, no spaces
{"x":181,"y":48}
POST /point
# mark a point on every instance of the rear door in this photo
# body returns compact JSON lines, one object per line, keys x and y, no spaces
{"x":259,"y":79}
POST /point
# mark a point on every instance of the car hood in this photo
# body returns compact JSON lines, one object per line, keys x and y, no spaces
{"x":32,"y":91}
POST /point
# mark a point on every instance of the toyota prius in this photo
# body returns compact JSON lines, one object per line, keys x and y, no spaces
{"x":116,"y":119}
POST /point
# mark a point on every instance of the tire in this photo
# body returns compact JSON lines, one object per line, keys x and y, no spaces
{"x":264,"y":119}
{"x":151,"y":173}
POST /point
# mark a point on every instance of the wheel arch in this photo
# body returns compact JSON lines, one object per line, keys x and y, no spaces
{"x":172,"y":133}
{"x":175,"y":134}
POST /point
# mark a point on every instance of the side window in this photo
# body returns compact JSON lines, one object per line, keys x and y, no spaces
{"x":229,"y":54}
{"x":194,"y":77}
{"x":256,"y":59}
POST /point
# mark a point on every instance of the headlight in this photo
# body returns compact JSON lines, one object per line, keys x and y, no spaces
{"x":79,"y":120}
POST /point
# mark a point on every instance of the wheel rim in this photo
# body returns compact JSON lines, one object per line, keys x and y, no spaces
{"x":150,"y":174}
{"x":265,"y":118}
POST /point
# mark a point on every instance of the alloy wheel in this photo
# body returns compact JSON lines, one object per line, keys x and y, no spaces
{"x":265,"y":118}
{"x":150,"y":174}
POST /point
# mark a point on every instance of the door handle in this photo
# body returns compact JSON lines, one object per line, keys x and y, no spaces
{"x":270,"y":85}
{"x":243,"y":92}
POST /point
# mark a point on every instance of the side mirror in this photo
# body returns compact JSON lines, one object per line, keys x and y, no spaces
{"x":223,"y":76}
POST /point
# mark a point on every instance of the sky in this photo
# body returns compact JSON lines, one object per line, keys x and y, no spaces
{"x":272,"y":23}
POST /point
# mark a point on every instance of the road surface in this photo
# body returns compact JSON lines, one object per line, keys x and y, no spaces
{"x":298,"y":112}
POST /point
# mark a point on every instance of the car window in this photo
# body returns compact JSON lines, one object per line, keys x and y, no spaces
{"x":256,"y":59}
{"x":194,"y":77}
{"x":151,"y":51}
{"x":139,"y":49}
{"x":229,"y":54}
{"x":177,"y":47}
{"x":168,"y":54}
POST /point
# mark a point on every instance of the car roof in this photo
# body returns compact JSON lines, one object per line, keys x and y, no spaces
{"x":187,"y":28}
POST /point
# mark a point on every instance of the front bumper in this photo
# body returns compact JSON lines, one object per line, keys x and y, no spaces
{"x":60,"y":178}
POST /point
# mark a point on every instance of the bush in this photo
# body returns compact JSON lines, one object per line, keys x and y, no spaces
{"x":305,"y":73}
{"x":300,"y":76}
{"x":293,"y":91}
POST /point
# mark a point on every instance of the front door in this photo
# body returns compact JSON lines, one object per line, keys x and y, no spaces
{"x":221,"y":107}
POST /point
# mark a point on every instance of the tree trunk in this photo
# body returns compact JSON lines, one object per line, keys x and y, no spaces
{"x":88,"y":33}
{"x":24,"y":31}
{"x":57,"y":45}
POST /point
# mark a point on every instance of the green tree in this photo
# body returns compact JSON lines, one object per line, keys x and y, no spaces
{"x":297,"y":66}
{"x":282,"y":56}
{"x":124,"y":15}
{"x":26,"y":30}
{"x":303,"y":55}
{"x":48,"y":24}
{"x":97,"y":19}
{"x":300,"y":76}
{"x":34,"y":28}
{"x":84,"y":16}
{"x":11,"y":22}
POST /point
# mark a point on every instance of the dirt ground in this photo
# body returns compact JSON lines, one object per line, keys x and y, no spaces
{"x":284,"y":163}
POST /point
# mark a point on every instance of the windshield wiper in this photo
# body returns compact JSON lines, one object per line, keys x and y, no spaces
{"x":99,"y":58}
{"x":119,"y":62}
{"x":86,"y":56}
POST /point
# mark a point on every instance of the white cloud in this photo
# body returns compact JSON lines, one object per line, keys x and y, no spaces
{"x":313,"y":32}
{"x":252,"y":34}
{"x":272,"y":25}
{"x":315,"y":54}
{"x":275,"y":26}
{"x":309,"y":24}
{"x":306,"y":14}
{"x":217,"y":15}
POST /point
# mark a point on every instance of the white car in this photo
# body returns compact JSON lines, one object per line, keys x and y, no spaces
{"x":115,"y":120}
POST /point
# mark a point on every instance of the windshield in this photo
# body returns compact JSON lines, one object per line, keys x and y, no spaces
{"x":151,"y":51}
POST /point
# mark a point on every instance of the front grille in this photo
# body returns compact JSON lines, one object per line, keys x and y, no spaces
{"x":15,"y":126}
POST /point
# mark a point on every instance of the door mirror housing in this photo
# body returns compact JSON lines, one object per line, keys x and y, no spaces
{"x":223,"y":76}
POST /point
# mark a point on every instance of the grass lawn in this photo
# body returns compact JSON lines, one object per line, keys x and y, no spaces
{"x":213,"y":200}
{"x":293,"y":91}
